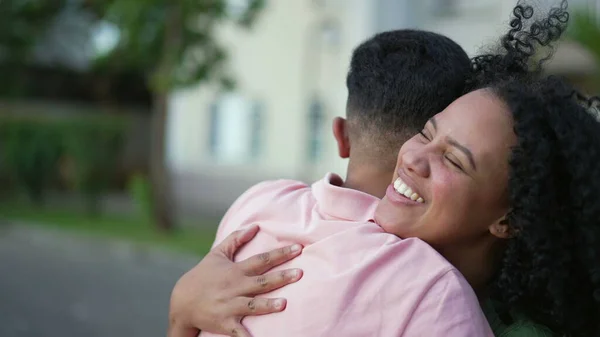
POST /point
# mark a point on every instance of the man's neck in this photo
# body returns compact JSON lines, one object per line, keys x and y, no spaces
{"x":368,"y":179}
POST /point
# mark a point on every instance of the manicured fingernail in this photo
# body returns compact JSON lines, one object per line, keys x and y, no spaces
{"x":295,"y":273}
{"x":296,"y":248}
{"x":278,"y":304}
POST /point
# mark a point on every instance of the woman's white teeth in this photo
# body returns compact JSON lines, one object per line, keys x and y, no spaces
{"x":400,"y":186}
{"x":406,"y":191}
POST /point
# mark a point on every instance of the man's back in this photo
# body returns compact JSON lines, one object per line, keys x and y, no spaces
{"x":358,"y":280}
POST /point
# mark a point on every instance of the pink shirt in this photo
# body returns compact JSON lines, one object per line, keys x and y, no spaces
{"x":358,"y":280}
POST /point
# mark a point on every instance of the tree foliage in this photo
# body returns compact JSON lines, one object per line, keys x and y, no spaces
{"x":22,"y":23}
{"x":585,"y":29}
{"x":172,"y":42}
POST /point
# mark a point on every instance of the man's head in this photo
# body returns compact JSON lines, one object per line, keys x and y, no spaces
{"x":396,"y":82}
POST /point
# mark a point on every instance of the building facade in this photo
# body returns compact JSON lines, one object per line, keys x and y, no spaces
{"x":290,"y":70}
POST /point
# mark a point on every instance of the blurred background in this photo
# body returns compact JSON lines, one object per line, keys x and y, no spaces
{"x":128,"y":127}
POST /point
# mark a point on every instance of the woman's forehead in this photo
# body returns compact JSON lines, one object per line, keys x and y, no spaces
{"x":479,"y":121}
{"x":476,"y":112}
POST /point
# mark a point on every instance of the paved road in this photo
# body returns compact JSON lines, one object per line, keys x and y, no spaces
{"x":53,"y":285}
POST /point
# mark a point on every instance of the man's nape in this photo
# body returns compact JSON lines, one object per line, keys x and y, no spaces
{"x":397,"y":80}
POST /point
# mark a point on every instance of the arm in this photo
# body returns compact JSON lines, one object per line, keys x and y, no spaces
{"x":217,"y":293}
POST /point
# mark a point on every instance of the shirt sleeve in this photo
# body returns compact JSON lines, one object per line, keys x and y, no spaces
{"x":251,"y":202}
{"x":449,"y":308}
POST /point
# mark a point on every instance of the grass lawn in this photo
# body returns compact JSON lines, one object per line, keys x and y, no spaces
{"x":197,"y":241}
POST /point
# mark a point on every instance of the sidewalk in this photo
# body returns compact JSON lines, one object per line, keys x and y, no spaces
{"x":56,"y":284}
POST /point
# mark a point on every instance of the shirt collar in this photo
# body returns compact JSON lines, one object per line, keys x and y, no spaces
{"x":343,"y":203}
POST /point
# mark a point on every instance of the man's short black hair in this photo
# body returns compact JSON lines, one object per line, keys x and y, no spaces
{"x":397,"y":81}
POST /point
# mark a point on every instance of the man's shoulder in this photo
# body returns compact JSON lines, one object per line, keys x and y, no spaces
{"x":425,"y":257}
{"x":268,"y":191}
{"x":277,"y":185}
{"x":422,"y":267}
{"x":431,"y":273}
{"x":448,"y":279}
{"x":263,"y":201}
{"x":450,"y":302}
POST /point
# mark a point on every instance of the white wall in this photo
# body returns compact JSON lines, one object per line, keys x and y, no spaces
{"x":282,"y":62}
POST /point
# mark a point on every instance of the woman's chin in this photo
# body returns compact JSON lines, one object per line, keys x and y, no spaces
{"x":391,"y":219}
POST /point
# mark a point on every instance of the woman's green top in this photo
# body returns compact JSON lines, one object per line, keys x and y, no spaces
{"x":519,"y":327}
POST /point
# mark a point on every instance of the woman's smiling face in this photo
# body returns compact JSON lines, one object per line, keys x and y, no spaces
{"x":450,"y":181}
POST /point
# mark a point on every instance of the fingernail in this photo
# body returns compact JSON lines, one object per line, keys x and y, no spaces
{"x":295,"y":273}
{"x":279,"y":303}
{"x":296,"y":248}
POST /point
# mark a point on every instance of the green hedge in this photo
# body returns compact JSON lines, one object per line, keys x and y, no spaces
{"x":34,"y":149}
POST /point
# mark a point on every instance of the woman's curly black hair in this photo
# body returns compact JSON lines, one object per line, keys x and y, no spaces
{"x":515,"y":56}
{"x":550,"y":270}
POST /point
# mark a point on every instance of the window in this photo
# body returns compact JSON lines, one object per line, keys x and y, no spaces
{"x":235,"y":129}
{"x":315,"y":130}
{"x":257,"y":131}
{"x":213,"y":131}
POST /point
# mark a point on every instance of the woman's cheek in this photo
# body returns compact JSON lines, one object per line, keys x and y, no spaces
{"x":450,"y":197}
{"x":443,"y":188}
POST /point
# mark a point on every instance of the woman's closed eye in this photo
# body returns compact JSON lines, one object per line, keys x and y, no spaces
{"x":453,"y":161}
{"x":449,"y":157}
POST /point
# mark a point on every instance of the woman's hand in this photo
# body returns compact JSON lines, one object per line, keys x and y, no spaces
{"x":217,"y":293}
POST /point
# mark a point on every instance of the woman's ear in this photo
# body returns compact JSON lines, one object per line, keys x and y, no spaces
{"x":501,"y":228}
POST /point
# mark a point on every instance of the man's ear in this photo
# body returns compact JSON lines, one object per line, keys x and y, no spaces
{"x":502,"y":229}
{"x":340,"y":132}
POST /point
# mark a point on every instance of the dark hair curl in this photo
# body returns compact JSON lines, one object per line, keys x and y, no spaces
{"x":550,"y":270}
{"x":528,"y":37}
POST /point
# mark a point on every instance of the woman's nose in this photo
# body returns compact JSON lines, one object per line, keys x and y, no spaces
{"x":416,"y":161}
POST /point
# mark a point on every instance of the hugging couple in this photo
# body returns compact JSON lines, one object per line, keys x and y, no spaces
{"x":471,"y":206}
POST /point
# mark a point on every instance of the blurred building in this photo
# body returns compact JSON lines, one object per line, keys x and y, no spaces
{"x":477,"y":24}
{"x":290,"y":69}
